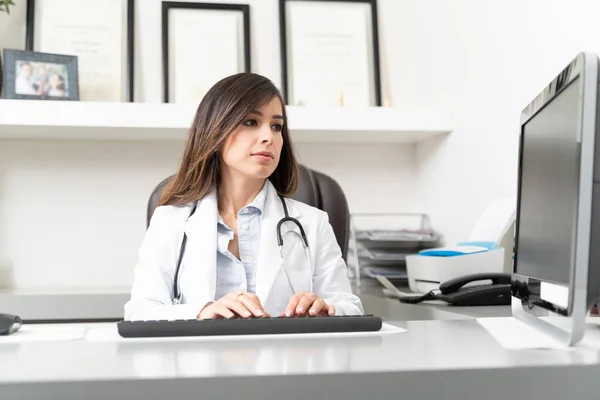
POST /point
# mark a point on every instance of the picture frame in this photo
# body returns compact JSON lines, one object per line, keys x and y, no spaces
{"x":99,"y":33}
{"x":40,"y":76}
{"x":330,"y":52}
{"x":192,"y":65}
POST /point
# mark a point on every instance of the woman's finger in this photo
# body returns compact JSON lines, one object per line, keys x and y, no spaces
{"x":224,"y":311}
{"x":217,"y":310}
{"x":330,"y":310}
{"x":316,"y":307}
{"x":293,"y":303}
{"x":305,"y":303}
{"x":253,"y":305}
{"x":327,"y":311}
{"x":237,"y":306}
{"x":252,"y":296}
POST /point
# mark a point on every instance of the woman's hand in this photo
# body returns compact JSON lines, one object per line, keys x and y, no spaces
{"x":234,"y":305}
{"x":305,"y":303}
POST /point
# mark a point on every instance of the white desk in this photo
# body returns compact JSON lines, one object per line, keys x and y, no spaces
{"x":452,"y":359}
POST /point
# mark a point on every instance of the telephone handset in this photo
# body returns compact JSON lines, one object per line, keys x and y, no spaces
{"x":455,"y":284}
{"x":455,"y":293}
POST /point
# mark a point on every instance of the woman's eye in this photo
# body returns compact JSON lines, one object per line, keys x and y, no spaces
{"x":251,"y":122}
{"x":277,"y":127}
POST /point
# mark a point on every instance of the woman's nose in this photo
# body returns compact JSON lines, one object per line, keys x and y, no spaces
{"x":266,"y":134}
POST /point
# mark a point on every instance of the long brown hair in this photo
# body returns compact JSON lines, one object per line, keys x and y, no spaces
{"x":222,"y":109}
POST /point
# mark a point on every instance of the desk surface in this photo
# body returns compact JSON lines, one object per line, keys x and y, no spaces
{"x":445,"y":354}
{"x":452,"y":359}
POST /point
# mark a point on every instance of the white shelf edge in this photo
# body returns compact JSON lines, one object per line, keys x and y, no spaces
{"x":66,"y":291}
{"x":54,"y":120}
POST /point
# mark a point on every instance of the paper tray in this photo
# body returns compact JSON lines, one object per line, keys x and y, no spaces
{"x":390,"y":273}
{"x":396,"y":240}
{"x":379,"y":255}
{"x":394,"y":230}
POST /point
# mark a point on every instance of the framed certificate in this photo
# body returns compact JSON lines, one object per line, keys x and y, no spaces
{"x":99,"y":33}
{"x":330,"y":52}
{"x":202,"y":44}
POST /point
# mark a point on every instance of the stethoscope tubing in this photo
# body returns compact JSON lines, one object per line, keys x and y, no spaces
{"x":176,"y":299}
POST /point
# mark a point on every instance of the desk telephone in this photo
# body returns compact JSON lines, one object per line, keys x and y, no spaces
{"x":454,"y":293}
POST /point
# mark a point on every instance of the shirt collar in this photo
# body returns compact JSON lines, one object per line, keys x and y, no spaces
{"x":258,"y":203}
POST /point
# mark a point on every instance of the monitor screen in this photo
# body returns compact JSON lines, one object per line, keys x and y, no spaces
{"x":549,"y":188}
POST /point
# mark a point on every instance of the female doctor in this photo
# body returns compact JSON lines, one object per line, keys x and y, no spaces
{"x":218,"y":219}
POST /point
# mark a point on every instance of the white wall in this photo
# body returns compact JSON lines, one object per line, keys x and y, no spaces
{"x":480,"y":60}
{"x":486,"y":61}
{"x":73,"y":213}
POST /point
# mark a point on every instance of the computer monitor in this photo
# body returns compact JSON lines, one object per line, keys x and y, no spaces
{"x":556,"y":276}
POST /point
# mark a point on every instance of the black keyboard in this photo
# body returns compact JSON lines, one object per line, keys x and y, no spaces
{"x":253,"y":326}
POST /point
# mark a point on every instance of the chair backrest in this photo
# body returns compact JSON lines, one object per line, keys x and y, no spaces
{"x":315,"y":189}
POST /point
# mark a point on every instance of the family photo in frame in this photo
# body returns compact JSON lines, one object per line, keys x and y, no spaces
{"x":40,"y":76}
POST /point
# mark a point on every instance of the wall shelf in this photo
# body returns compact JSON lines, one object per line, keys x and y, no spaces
{"x":66,"y":120}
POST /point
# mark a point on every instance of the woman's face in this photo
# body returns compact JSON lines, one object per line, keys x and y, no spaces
{"x":254,"y":147}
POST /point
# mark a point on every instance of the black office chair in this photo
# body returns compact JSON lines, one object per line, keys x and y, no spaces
{"x":315,"y":189}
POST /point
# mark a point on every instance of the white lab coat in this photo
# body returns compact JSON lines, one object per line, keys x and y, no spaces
{"x":152,"y":287}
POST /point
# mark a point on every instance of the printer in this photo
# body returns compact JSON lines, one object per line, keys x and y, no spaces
{"x":489,"y":248}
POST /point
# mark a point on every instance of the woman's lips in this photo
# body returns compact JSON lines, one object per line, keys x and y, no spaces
{"x":263,"y":155}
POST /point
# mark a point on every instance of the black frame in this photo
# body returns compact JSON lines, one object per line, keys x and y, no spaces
{"x":11,"y":56}
{"x":29,"y":41}
{"x":168,"y":5}
{"x":374,"y":23}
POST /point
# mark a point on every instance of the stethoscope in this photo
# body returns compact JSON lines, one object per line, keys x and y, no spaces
{"x":302,"y":235}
